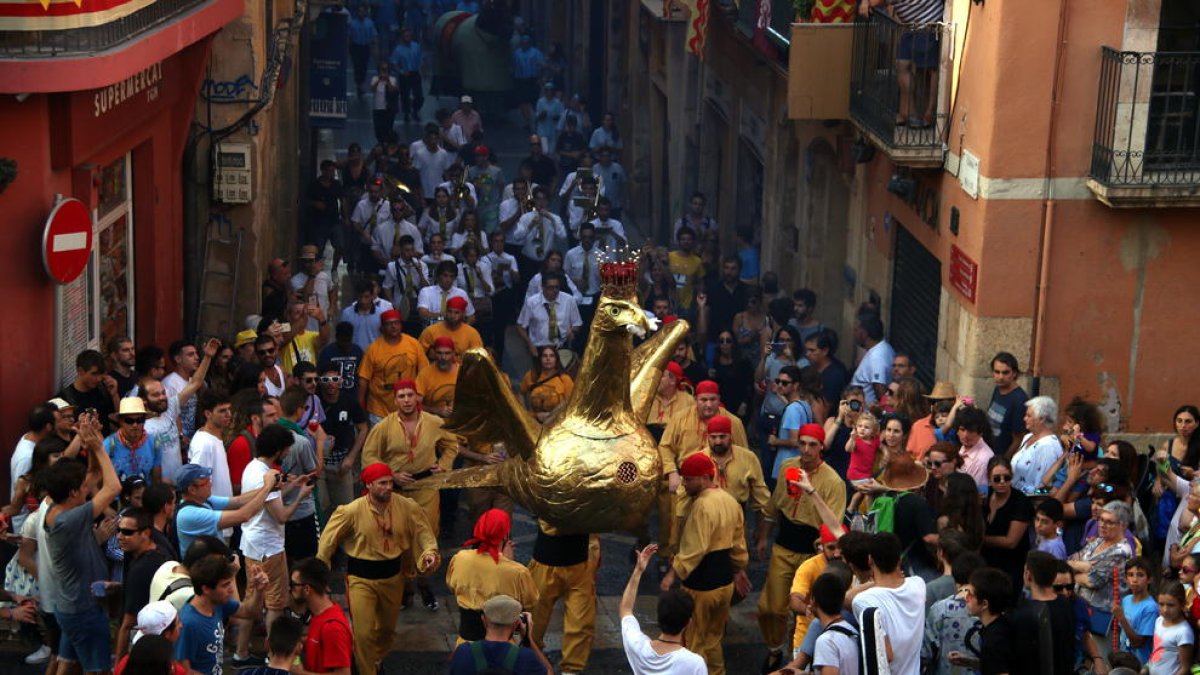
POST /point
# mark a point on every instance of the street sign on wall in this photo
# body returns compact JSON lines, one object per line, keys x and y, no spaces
{"x":67,"y":240}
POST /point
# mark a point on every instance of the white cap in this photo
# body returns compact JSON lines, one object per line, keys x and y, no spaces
{"x":154,"y":618}
{"x":466,"y":99}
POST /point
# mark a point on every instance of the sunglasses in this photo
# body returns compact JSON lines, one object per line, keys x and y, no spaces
{"x":934,"y":463}
{"x":1104,"y":487}
{"x":1188,"y":569}
{"x":133,"y":420}
{"x":782,"y":382}
{"x":329,"y":379}
{"x":1002,"y":478}
{"x":309,"y":380}
{"x":725,"y":341}
{"x":1063,"y":588}
{"x":128,"y":531}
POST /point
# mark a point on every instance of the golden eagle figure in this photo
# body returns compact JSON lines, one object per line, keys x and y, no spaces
{"x":593,"y":466}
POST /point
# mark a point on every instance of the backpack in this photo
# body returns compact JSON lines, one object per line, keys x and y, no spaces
{"x":481,"y":663}
{"x":853,"y":635}
{"x":872,"y":657}
{"x":882,"y":515}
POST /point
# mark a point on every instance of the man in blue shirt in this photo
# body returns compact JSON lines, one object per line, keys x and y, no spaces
{"x":201,"y":643}
{"x":502,"y":618}
{"x":362,"y":39}
{"x":406,"y":65}
{"x":200,"y":512}
{"x":527,"y":67}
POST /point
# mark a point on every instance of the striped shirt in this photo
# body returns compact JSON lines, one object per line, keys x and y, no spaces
{"x":919,"y":12}
{"x":527,"y":63}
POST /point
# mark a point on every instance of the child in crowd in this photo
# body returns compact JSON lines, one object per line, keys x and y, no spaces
{"x":989,"y":595}
{"x":836,"y":651}
{"x":1187,"y":577}
{"x":1047,"y":522}
{"x":941,"y":421}
{"x":949,"y":627}
{"x":1174,"y":641}
{"x":1137,"y":611}
{"x":284,"y":644}
{"x":863,"y":446}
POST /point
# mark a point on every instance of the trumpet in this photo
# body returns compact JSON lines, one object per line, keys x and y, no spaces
{"x":594,"y":208}
{"x":461,"y":191}
{"x":528,"y":204}
{"x":395,"y":187}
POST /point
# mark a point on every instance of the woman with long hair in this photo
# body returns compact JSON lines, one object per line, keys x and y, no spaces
{"x":441,"y":218}
{"x":151,"y":655}
{"x":1184,"y":449}
{"x":961,"y":508}
{"x":907,"y":397}
{"x":941,"y":461}
{"x":607,"y":135}
{"x":1007,"y":515}
{"x":661,"y":284}
{"x":467,"y":229}
{"x":220,"y":373}
{"x":752,"y":326}
{"x":546,"y":385}
{"x":730,"y":372}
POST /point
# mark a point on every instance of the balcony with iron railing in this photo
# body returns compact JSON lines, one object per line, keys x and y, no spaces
{"x":897,"y":94}
{"x":1146,"y":146}
{"x":86,"y":40}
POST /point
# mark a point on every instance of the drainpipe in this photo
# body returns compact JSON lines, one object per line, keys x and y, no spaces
{"x":1049,"y":204}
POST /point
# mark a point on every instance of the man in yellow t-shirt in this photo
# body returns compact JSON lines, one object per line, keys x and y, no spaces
{"x":806,"y":574}
{"x":436,"y":381}
{"x":300,"y":344}
{"x":452,"y":326}
{"x":391,"y":357}
{"x":686,"y":268}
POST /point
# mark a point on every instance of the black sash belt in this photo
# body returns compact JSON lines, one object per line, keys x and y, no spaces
{"x":714,"y":571}
{"x":373,"y":569}
{"x":796,"y":537}
{"x":561,"y":550}
{"x":470,"y":624}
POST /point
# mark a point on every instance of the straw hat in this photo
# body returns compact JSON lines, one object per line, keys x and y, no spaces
{"x":132,"y":405}
{"x":942,"y":391}
{"x":903,"y":473}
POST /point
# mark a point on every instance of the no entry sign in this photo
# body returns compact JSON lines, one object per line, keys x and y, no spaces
{"x":67,"y":240}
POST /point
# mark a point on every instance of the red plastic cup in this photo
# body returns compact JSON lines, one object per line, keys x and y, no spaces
{"x":792,"y":474}
{"x":313,"y":425}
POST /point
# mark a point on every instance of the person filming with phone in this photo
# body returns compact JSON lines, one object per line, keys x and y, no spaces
{"x":505,"y":645}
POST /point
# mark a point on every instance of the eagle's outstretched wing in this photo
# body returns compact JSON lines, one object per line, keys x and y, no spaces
{"x":487,"y":411}
{"x":648,"y":362}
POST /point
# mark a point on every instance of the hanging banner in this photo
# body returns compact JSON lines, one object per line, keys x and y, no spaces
{"x":327,"y":73}
{"x":697,"y":32}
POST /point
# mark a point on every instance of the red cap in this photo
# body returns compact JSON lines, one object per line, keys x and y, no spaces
{"x":815,"y":431}
{"x":458,"y":303}
{"x":670,"y":318}
{"x":404,"y":384}
{"x":708,"y":387}
{"x":720,"y":424}
{"x":373,"y":472}
{"x":675,"y":369}
{"x":483,"y":150}
{"x":443,"y":343}
{"x":391,"y":315}
{"x":698,"y":464}
{"x":827,"y":535}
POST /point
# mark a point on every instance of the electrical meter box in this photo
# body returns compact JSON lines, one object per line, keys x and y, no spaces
{"x":231,"y":181}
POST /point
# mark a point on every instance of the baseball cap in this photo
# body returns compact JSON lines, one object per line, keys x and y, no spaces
{"x":466,"y":99}
{"x":308,"y":252}
{"x":190,"y":473}
{"x":60,"y":404}
{"x":501,"y":610}
{"x":154,"y":618}
{"x":244,"y":338}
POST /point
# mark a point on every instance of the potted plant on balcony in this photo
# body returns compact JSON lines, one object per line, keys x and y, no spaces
{"x":804,"y":10}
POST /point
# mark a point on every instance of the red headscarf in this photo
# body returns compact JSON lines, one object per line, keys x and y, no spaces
{"x":698,"y":465}
{"x":708,"y":387}
{"x":491,"y":530}
{"x":720,"y":424}
{"x":405,"y":384}
{"x":373,"y":472}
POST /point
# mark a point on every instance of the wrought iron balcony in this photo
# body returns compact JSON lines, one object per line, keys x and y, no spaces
{"x":895,"y":97}
{"x":1146,"y":146}
{"x":43,"y":44}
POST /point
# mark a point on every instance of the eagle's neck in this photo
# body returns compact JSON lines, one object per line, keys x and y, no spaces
{"x":600,"y":398}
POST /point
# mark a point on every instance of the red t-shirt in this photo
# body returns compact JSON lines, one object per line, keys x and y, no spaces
{"x":327,"y":646}
{"x":239,"y":455}
{"x":176,"y":669}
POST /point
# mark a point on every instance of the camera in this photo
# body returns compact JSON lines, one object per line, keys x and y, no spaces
{"x":855,"y":405}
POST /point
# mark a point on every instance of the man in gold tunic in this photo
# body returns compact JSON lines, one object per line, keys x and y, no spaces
{"x":376,"y":531}
{"x":738,"y":472}
{"x":799,"y":525}
{"x":414,"y":445}
{"x":711,"y":560}
{"x":486,"y":569}
{"x":686,"y":433}
{"x":564,"y":568}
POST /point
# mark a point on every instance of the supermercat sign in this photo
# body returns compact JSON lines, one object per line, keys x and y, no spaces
{"x":144,"y":81}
